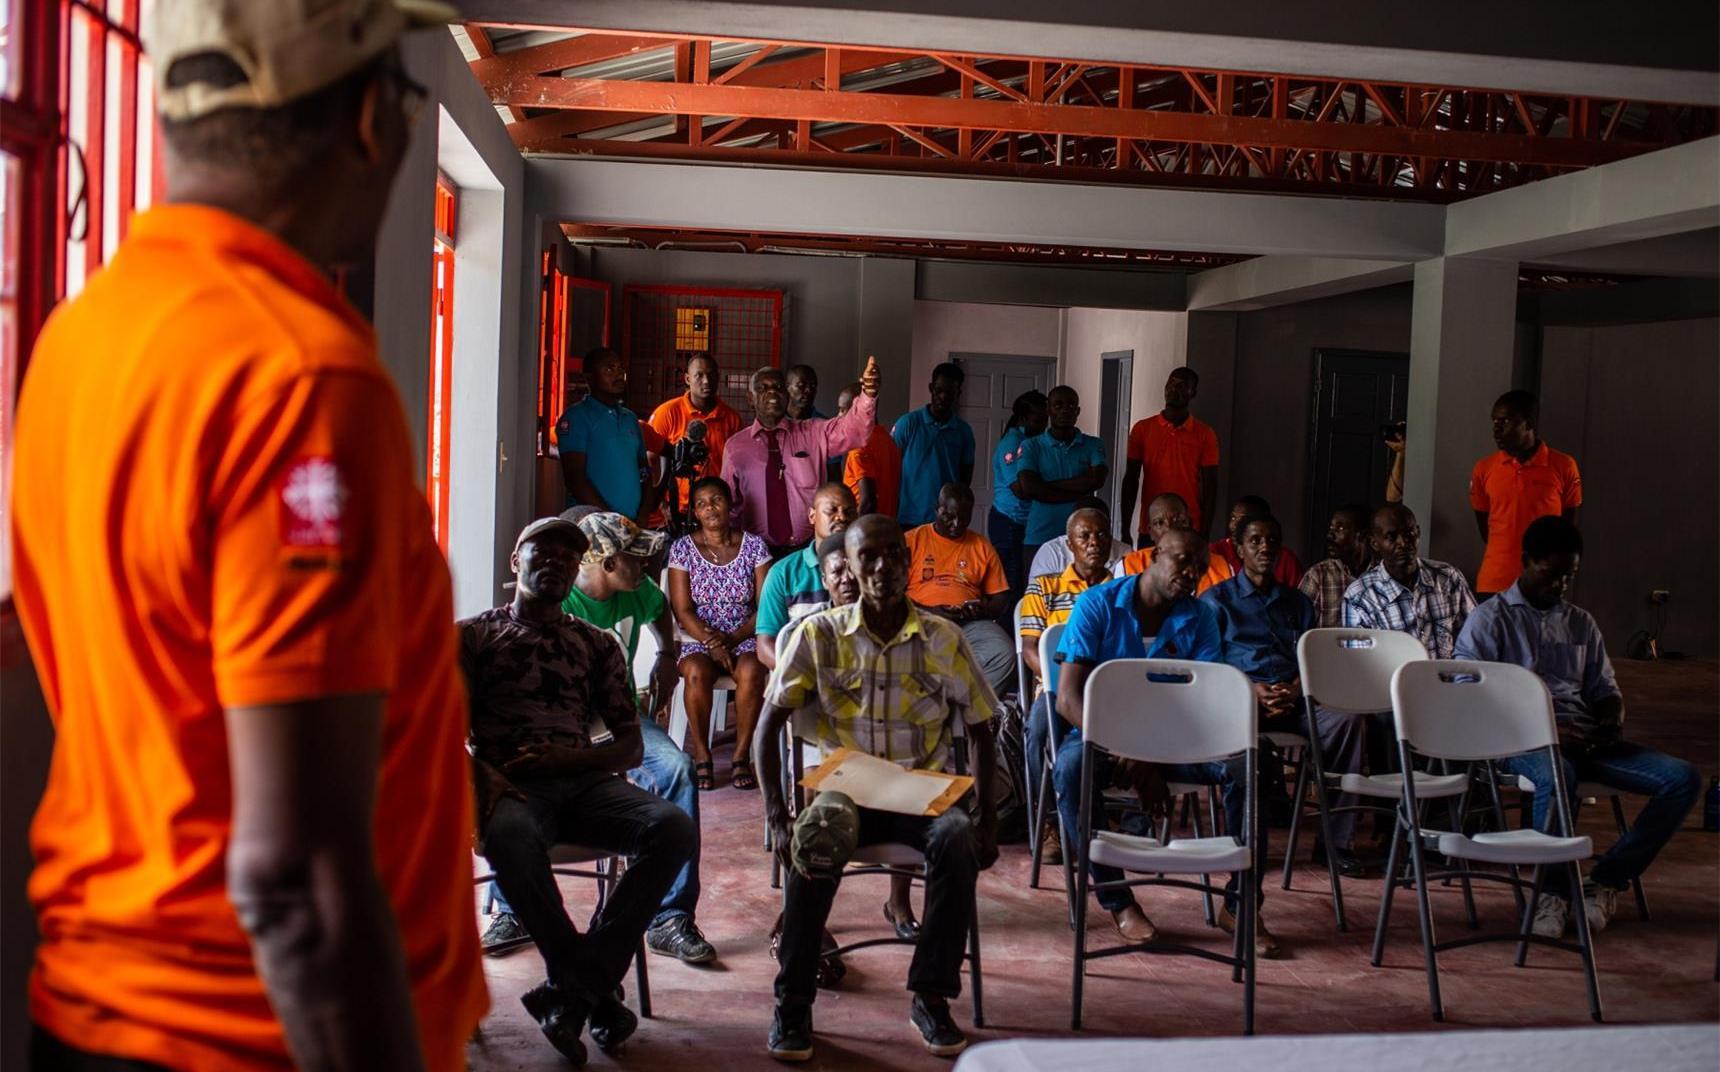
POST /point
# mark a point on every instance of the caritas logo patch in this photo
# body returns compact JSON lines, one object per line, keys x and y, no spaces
{"x":313,"y":498}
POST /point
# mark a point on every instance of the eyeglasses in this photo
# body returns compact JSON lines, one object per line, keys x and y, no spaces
{"x":413,"y":93}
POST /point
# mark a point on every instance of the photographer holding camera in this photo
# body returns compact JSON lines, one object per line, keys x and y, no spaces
{"x":696,"y":425}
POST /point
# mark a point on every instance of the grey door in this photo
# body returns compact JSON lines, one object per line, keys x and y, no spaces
{"x":988,"y":395}
{"x":1116,"y":384}
{"x":1355,"y":392}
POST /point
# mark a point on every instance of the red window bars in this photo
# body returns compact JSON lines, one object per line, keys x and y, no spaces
{"x":438,"y":456}
{"x":664,"y":326}
{"x":573,"y":317}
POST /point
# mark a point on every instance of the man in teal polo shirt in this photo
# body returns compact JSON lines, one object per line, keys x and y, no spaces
{"x":937,"y":447}
{"x":602,"y":450}
{"x":1061,"y":466}
{"x":794,"y":587}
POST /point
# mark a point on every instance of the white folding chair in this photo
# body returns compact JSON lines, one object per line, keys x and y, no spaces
{"x":884,"y":858}
{"x":1585,"y":792}
{"x":565,"y":859}
{"x":1349,"y":672}
{"x":1175,"y":712}
{"x":1472,"y":712}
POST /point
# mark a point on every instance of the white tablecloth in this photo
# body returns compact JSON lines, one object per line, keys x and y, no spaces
{"x":1682,"y":1048}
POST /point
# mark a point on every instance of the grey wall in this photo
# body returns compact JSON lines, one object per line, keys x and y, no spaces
{"x":494,"y":414}
{"x":1270,"y":418}
{"x":1636,"y":405}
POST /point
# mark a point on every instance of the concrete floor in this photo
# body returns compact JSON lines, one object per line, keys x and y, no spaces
{"x":1660,"y":971}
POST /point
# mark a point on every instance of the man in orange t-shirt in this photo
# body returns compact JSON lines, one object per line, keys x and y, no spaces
{"x":1164,"y":513}
{"x":1523,"y":480}
{"x":1173,"y":451}
{"x":700,"y":402}
{"x":872,"y":472}
{"x":955,"y":573}
{"x":254,"y":848}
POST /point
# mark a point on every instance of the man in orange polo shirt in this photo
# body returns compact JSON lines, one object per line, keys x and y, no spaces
{"x":1164,"y":513}
{"x":1173,"y":451}
{"x":1523,"y":480}
{"x":254,"y":849}
{"x":955,"y":573}
{"x":672,"y":419}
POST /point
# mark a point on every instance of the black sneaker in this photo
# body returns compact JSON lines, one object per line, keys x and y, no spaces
{"x":791,"y":1033}
{"x":504,"y":935}
{"x":560,"y":1017}
{"x":679,"y":937}
{"x":932,"y":1017}
{"x":612,"y":1023}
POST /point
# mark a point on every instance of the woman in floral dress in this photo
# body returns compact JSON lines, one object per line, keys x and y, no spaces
{"x":715,"y":575}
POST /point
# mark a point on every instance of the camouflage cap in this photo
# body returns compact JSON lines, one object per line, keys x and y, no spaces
{"x":614,"y":534}
{"x":825,"y":836}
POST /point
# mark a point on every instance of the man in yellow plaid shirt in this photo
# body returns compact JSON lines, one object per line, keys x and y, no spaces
{"x":884,"y":679}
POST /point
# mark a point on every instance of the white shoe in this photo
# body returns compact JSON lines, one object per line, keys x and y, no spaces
{"x":1551,"y":915}
{"x":1599,"y":906}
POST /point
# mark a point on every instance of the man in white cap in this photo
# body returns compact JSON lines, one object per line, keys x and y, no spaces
{"x":253,"y":851}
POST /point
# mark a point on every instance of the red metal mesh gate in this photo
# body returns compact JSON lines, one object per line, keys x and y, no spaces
{"x":663,"y":326}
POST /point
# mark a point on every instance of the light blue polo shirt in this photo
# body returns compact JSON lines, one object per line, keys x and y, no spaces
{"x":614,"y":451}
{"x":792,"y":589}
{"x":932,"y":455}
{"x":1054,"y":459}
{"x":1005,"y":465}
{"x":1104,"y":626}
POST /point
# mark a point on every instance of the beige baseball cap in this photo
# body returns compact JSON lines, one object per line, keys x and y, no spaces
{"x":287,"y":48}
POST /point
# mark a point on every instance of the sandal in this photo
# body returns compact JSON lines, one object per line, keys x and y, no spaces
{"x":743,"y":777}
{"x":907,"y":928}
{"x":705,"y":776}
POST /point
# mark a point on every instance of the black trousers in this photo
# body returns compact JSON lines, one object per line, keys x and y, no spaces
{"x":600,"y":811}
{"x":49,"y":1054}
{"x":952,"y":870}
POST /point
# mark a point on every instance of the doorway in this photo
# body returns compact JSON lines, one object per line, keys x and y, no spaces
{"x":1116,"y":381}
{"x":1356,"y":392}
{"x":988,"y":396}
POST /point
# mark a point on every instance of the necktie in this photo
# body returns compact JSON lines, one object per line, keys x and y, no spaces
{"x":778,"y":528}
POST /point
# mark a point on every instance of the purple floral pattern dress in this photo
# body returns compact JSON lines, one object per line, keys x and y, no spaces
{"x":723,"y":595}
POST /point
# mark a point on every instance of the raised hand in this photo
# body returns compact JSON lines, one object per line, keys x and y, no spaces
{"x":869,"y":378}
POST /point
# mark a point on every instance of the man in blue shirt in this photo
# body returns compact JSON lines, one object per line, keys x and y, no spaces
{"x":1115,"y":621}
{"x":1260,"y":619}
{"x":602,"y":450}
{"x":937,"y":447}
{"x":1062,"y":465}
{"x":1531,"y":625}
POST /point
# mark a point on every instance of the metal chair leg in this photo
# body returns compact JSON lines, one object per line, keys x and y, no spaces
{"x":1585,"y":942}
{"x":1529,"y":915}
{"x":1463,"y":878}
{"x":973,"y":959}
{"x":1425,"y":910}
{"x":1300,"y":795}
{"x":642,"y":980}
{"x":1388,"y":888}
{"x":1036,"y":822}
{"x":1206,"y":895}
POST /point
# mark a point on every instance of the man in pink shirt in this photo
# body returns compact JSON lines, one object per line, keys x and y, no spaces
{"x":776,"y":464}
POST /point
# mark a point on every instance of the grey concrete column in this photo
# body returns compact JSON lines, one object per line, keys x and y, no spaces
{"x":886,"y":318}
{"x":1462,"y":332}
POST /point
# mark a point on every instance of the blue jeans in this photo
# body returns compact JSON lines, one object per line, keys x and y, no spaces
{"x":1006,"y":537}
{"x":1671,"y":785}
{"x":1035,"y":732}
{"x":665,"y":772}
{"x":1227,"y":774}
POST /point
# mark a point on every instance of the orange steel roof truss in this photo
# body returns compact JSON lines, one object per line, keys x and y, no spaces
{"x":770,"y":102}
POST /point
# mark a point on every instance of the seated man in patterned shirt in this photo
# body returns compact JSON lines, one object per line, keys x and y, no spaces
{"x":1406,"y":592}
{"x":553,"y":730}
{"x":885,"y":679}
{"x":1348,"y":556}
